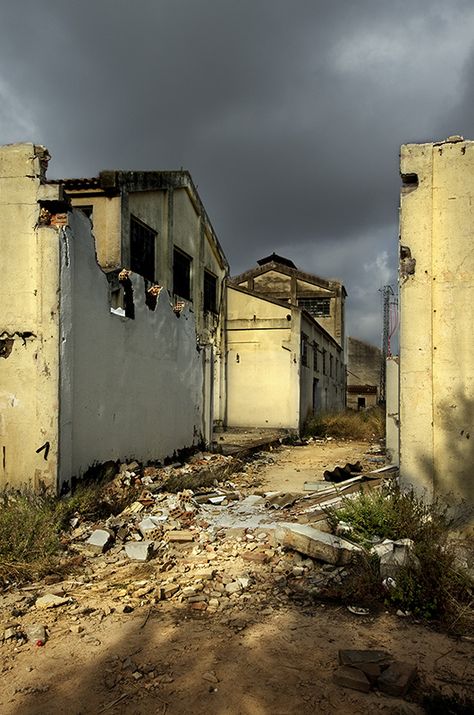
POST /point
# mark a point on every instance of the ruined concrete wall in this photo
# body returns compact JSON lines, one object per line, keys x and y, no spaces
{"x":437,"y":315}
{"x":262,"y":362}
{"x":392,"y":417}
{"x":29,"y":322}
{"x":130,"y":388}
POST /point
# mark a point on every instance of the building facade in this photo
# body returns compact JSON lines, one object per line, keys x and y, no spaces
{"x":103,"y":361}
{"x":364,"y":370}
{"x":283,"y":365}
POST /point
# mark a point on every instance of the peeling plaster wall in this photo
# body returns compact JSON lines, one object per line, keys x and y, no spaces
{"x":29,"y":323}
{"x":130,"y":388}
{"x":437,"y":318}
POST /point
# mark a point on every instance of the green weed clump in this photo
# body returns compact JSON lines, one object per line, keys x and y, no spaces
{"x":33,"y":527}
{"x":363,"y":425}
{"x":430,"y":585}
{"x":29,"y":536}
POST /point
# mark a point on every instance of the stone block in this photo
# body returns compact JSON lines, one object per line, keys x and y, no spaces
{"x":316,"y":544}
{"x":396,"y":679}
{"x":356,"y":658}
{"x":139,"y":550}
{"x":99,"y":541}
{"x":351,"y":678}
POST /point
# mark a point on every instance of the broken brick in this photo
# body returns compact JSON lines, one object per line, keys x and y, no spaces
{"x":351,"y":678}
{"x":396,"y":679}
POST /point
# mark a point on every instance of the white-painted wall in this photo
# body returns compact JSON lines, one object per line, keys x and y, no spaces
{"x":129,"y":388}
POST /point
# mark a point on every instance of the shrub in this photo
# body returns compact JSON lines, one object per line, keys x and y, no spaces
{"x":429,"y":585}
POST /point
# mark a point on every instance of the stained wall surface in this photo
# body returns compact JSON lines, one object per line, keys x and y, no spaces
{"x":29,"y":323}
{"x":437,"y":315}
{"x":130,"y":388}
{"x":392,"y":416}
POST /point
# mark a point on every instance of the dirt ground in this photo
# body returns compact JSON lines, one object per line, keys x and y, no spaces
{"x":265,"y":652}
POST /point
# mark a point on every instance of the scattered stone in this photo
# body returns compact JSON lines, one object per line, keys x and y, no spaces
{"x":99,"y":541}
{"x":139,"y":550}
{"x":396,"y":679}
{"x":50,"y":600}
{"x":211,"y":677}
{"x":393,"y":555}
{"x":351,"y":678}
{"x":150,"y":528}
{"x":317,"y":544}
{"x":76,"y":628}
{"x":233,"y":587}
{"x":36,"y":634}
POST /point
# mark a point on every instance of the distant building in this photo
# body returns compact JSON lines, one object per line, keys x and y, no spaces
{"x":278,"y":278}
{"x":283,"y":365}
{"x":364,"y":366}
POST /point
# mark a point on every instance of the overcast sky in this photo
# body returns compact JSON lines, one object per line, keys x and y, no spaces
{"x":288,"y":113}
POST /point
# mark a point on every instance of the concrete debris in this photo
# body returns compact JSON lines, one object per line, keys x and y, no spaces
{"x":393,"y":555}
{"x":364,"y":669}
{"x":317,"y":544}
{"x":397,"y":679}
{"x":99,"y":541}
{"x":139,"y":550}
{"x":50,"y":600}
{"x":351,"y":678}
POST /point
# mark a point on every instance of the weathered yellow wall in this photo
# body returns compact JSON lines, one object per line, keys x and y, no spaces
{"x":262,"y":362}
{"x":106,"y":227}
{"x":437,"y":318}
{"x":29,"y":374}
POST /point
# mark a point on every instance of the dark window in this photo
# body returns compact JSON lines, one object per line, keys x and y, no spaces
{"x":317,"y":307}
{"x":142,"y":249}
{"x":304,"y":349}
{"x":315,"y":356}
{"x":361,"y":403}
{"x":182,"y":274}
{"x":331,"y":365}
{"x":87,"y":210}
{"x":210,"y":292}
{"x":324,"y":361}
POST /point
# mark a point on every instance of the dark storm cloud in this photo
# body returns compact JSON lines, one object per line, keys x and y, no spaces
{"x":289,"y":114}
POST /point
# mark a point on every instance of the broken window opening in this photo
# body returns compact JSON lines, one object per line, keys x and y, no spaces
{"x":409,"y":182}
{"x":128,"y":304}
{"x":151,"y":295}
{"x":182,"y":274}
{"x":317,"y":307}
{"x":331,"y":366}
{"x":324,"y":361}
{"x":210,"y":292}
{"x":315,"y":356}
{"x":142,"y":249}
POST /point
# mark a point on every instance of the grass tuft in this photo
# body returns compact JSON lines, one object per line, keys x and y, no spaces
{"x":364,"y":425}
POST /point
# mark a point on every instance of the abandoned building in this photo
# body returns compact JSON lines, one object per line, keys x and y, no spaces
{"x":121,"y":337}
{"x":364,"y":370}
{"x":436,"y":278}
{"x":100,"y":363}
{"x":284,"y":327}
